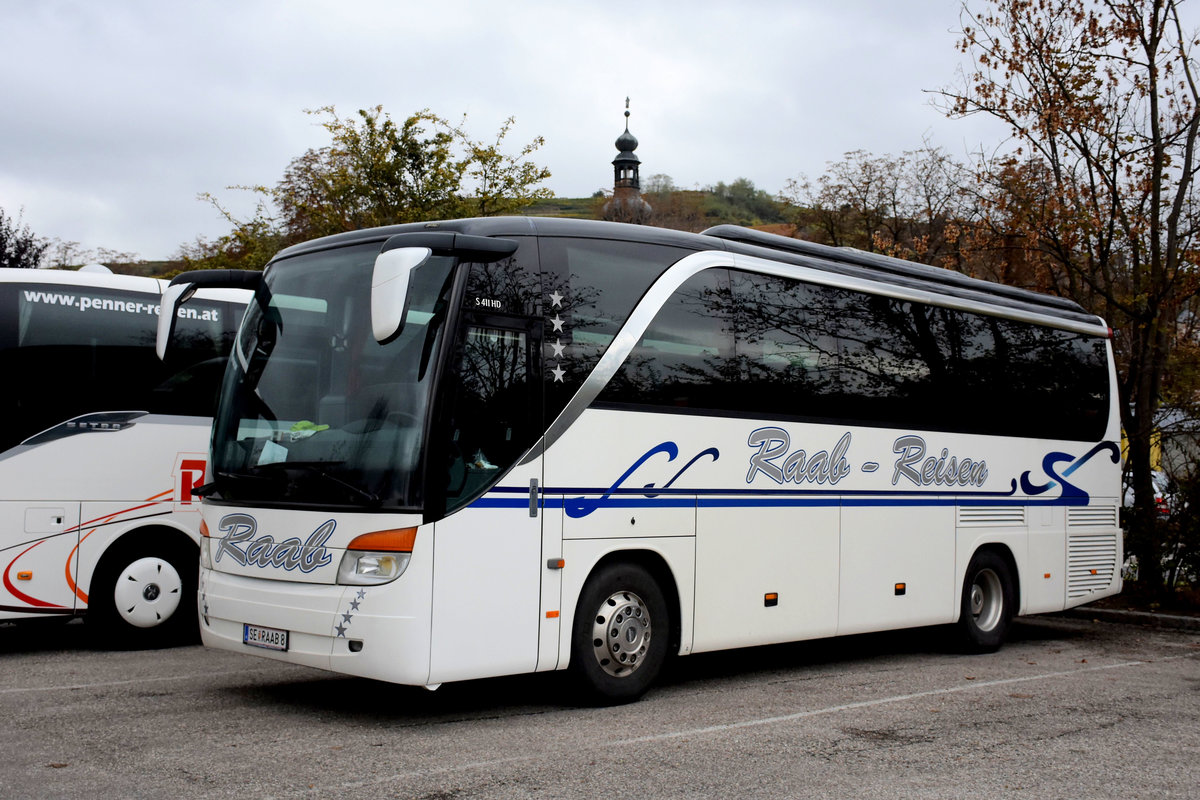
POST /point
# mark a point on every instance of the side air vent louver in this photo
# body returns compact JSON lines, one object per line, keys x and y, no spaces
{"x":991,"y":516}
{"x":1091,"y":562}
{"x":1092,"y":516}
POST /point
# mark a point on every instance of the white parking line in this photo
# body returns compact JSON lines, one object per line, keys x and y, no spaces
{"x":132,"y":682}
{"x":752,"y":723}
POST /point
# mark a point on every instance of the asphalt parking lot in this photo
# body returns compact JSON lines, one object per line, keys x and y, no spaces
{"x":1071,"y":707}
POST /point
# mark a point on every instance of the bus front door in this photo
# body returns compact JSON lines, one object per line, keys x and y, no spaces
{"x":488,"y":556}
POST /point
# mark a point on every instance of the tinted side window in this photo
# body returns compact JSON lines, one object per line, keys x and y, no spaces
{"x":787,"y":344}
{"x":590,"y":287}
{"x":806,"y":351}
{"x":510,"y":286}
{"x":494,"y":415}
{"x":1049,"y":382}
{"x":686,"y":359}
{"x":190,"y":376}
{"x":71,"y":350}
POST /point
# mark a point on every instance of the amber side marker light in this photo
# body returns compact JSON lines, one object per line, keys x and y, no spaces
{"x":204,"y":529}
{"x":25,"y":575}
{"x":901,"y":588}
{"x":771,"y":599}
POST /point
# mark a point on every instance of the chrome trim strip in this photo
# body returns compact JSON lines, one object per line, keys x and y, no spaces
{"x":622,"y":344}
{"x":882,"y":288}
{"x":679,"y":272}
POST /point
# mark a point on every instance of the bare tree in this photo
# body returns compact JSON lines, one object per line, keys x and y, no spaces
{"x":1102,"y":100}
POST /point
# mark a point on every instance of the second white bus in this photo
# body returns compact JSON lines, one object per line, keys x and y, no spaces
{"x":100,"y":446}
{"x":484,"y":447}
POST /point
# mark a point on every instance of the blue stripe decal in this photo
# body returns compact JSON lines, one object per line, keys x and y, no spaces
{"x":594,"y":492}
{"x":813,"y":501}
{"x":824,"y":469}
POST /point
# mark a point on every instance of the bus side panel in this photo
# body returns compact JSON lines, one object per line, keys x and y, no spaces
{"x":1044,"y":582}
{"x":551,"y":620}
{"x":745,"y":555}
{"x":486,"y":589}
{"x":38,"y":551}
{"x":885,"y":546}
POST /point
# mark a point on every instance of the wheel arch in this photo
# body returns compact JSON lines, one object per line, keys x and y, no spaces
{"x":141,"y":537}
{"x":655,"y":564}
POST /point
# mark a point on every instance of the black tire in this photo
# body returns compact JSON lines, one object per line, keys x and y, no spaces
{"x":143,"y":594}
{"x":619,"y":636}
{"x":988,"y":603}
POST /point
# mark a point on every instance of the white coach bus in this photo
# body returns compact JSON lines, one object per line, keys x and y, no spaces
{"x":100,"y":446}
{"x":474,"y":448}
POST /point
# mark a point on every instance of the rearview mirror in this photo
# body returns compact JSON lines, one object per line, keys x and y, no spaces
{"x":389,"y":289}
{"x":173,"y":297}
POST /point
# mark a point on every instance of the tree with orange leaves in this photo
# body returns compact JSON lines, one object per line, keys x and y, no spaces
{"x":1099,"y":196}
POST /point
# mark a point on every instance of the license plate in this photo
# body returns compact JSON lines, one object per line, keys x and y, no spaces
{"x":270,"y":638}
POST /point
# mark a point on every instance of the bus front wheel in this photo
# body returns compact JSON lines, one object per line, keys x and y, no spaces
{"x":144,"y":595}
{"x":620,"y":634}
{"x":988,"y":601}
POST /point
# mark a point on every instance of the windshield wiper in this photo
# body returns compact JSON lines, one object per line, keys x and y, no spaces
{"x":317,"y":468}
{"x":222,"y":478}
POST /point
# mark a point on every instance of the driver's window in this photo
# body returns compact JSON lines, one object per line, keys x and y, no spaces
{"x":493,"y":413}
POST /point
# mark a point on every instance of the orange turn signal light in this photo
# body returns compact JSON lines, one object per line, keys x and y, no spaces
{"x":395,"y":540}
{"x":25,"y":575}
{"x":204,"y":529}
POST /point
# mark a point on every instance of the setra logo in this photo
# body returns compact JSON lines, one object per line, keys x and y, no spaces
{"x":264,"y":551}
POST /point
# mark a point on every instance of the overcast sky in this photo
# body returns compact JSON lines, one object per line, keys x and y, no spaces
{"x":117,"y":114}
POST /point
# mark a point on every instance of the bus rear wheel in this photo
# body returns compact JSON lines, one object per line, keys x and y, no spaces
{"x":987,"y":605}
{"x":620,"y":634}
{"x":144,"y":595}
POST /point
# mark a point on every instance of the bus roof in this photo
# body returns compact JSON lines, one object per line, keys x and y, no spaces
{"x":736,"y":239}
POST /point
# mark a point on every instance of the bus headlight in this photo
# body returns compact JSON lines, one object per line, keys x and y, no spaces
{"x":377,"y":557}
{"x":365,"y":568}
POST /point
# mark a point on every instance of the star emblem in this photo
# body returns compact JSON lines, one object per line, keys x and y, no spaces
{"x":346,"y":617}
{"x":557,"y":322}
{"x":557,"y":347}
{"x":558,"y":374}
{"x":354,"y":605}
{"x":362,"y":593}
{"x":341,"y":631}
{"x":556,"y":299}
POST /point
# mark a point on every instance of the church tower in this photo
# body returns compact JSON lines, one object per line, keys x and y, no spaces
{"x":626,"y":204}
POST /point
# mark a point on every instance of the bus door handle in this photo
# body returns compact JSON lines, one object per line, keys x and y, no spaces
{"x":533,"y":497}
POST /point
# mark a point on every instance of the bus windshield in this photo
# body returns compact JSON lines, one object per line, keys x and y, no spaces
{"x":314,"y":411}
